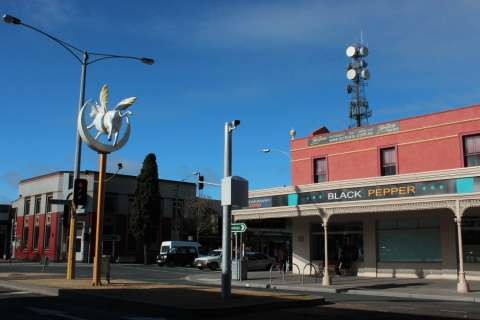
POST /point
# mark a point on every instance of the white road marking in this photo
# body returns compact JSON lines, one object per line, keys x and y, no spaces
{"x":51,"y":312}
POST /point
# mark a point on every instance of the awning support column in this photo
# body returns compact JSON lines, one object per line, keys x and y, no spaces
{"x":326,"y":277}
{"x":462,"y":285}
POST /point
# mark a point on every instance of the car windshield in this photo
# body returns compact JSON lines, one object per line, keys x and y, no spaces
{"x":214,"y":253}
{"x":164,"y":249}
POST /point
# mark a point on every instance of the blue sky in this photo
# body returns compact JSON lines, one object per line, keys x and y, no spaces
{"x":275,"y":65}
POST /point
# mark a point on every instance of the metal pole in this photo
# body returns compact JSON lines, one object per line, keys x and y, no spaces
{"x":326,"y":276}
{"x":226,"y":230}
{"x":240,"y":248}
{"x":71,"y":244}
{"x":97,"y":260}
{"x":462,"y":285}
{"x":76,"y":173}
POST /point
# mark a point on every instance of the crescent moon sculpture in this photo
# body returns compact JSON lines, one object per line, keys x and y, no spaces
{"x":105,"y":122}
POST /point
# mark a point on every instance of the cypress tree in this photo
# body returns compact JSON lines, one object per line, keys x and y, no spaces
{"x":145,"y":215}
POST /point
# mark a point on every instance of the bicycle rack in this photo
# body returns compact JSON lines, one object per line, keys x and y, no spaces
{"x":283,"y":272}
{"x":280,"y":269}
{"x":312,"y":266}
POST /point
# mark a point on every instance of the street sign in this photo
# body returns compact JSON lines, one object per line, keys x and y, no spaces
{"x":59,"y":201}
{"x":239,"y":227}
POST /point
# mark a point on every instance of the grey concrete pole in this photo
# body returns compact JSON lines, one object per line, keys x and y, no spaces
{"x":81,"y":101}
{"x":76,"y":172}
{"x":226,"y":230}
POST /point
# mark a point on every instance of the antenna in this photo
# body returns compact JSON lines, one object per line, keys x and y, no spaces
{"x":358,"y":74}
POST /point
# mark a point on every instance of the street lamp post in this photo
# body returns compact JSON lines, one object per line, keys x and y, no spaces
{"x":227,"y":215}
{"x":82,"y":56}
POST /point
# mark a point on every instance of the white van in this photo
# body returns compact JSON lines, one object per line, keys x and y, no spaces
{"x":178,"y":253}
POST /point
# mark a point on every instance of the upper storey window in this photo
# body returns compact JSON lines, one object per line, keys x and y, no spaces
{"x":38,"y":202}
{"x":320,"y":170}
{"x":471,"y":150}
{"x":26,"y":206}
{"x":388,"y":161}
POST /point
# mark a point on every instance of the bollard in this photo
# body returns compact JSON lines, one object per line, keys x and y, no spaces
{"x":106,"y":267}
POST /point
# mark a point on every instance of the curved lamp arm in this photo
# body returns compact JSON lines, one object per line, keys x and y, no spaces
{"x":76,"y":52}
{"x":268,"y":150}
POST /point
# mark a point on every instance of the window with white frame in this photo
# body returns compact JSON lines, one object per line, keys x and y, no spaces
{"x":388,"y":161}
{"x":471,"y":150}
{"x":320,"y":170}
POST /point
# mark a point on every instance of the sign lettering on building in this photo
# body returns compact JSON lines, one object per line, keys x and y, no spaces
{"x":424,"y":188}
{"x":356,"y":133}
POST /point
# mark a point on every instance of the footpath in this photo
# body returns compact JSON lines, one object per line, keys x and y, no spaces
{"x":424,"y":289}
{"x":200,"y":299}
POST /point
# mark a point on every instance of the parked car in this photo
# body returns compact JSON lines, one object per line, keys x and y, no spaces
{"x":177,"y":253}
{"x":258,"y":261}
{"x":212,"y":260}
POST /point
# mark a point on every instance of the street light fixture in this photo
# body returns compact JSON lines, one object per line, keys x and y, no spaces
{"x":269,"y":150}
{"x":81,"y":56}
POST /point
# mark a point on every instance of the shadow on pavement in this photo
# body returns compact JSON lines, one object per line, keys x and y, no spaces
{"x":86,"y":306}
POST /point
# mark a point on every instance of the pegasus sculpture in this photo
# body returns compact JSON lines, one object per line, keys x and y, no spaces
{"x":109,"y":122}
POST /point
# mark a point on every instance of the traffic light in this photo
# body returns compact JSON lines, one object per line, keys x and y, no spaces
{"x":80,"y":192}
{"x":201,"y":179}
{"x":66,"y":216}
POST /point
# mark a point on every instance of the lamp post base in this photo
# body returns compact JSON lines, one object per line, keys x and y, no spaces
{"x":326,"y":279}
{"x":462,"y":285}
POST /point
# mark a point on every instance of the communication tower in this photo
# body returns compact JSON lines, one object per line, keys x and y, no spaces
{"x":358,"y":74}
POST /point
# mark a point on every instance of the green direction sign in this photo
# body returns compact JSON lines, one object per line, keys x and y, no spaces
{"x":239,"y":227}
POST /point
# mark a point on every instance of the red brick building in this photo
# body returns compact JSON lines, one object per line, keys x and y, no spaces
{"x":40,"y":230}
{"x":401,"y":197}
{"x":420,"y":144}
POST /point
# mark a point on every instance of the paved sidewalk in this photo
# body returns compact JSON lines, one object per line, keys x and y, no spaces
{"x":445,"y":290}
{"x":201,"y":299}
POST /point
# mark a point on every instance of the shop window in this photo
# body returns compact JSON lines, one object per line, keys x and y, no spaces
{"x":320,"y":168}
{"x":388,"y":161}
{"x":36,"y":234}
{"x":38,"y":202}
{"x":471,"y":239}
{"x":48,"y":204}
{"x":397,"y":237}
{"x":345,"y":237}
{"x":46,"y":237}
{"x":471,"y":150}
{"x":26,"y":206}
{"x":25,"y":235}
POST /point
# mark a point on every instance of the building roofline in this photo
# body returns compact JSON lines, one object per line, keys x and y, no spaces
{"x":87,"y":172}
{"x":453,"y":109}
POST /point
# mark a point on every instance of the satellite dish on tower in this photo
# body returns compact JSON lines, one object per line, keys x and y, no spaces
{"x":351,"y":51}
{"x":365,"y":74}
{"x":363,"y":51}
{"x":352,"y":74}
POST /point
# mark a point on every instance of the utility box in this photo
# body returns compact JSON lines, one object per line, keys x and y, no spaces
{"x":235,"y":191}
{"x":240,"y":269}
